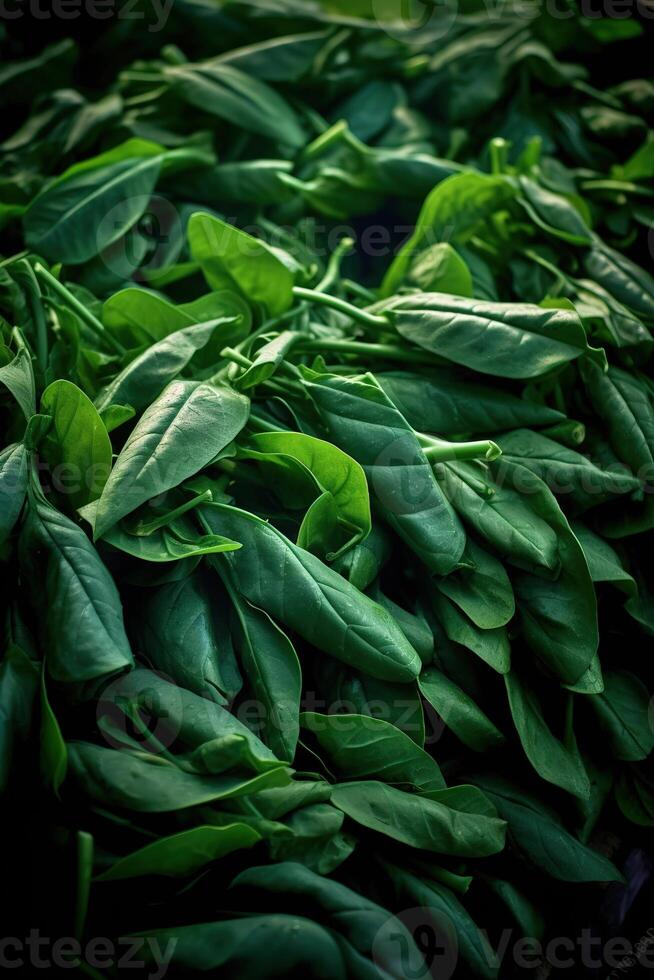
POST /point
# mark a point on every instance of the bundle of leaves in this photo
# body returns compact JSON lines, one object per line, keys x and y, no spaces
{"x":326,"y":489}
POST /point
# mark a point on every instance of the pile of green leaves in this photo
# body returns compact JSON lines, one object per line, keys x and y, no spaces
{"x":327,"y":590}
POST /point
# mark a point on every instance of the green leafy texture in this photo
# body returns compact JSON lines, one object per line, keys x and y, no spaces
{"x":18,"y":377}
{"x":183,"y":629}
{"x":296,"y":588}
{"x":459,"y":711}
{"x":147,"y":783}
{"x":548,"y":755}
{"x":178,"y":539}
{"x":440,"y":269}
{"x":77,"y":445}
{"x":314,"y":839}
{"x":191,"y":721}
{"x":242,"y":100}
{"x":625,"y":405}
{"x":482,"y":589}
{"x":448,"y":916}
{"x":441,"y":403}
{"x":350,"y":690}
{"x":144,"y":378}
{"x":273,"y":671}
{"x":182,"y":853}
{"x":267,"y":359}
{"x":232,"y":259}
{"x":138,"y":316}
{"x":541,"y":839}
{"x":90,"y":206}
{"x":79,"y":611}
{"x":54,"y":754}
{"x":452,"y":212}
{"x":14,"y":462}
{"x":332,"y":472}
{"x":360,"y":747}
{"x":182,"y":430}
{"x":504,"y":518}
{"x":603,"y":562}
{"x":254,"y":946}
{"x":558,"y":617}
{"x":631,"y":285}
{"x":492,"y":645}
{"x":553,"y":213}
{"x":363,"y":421}
{"x":508,"y":340}
{"x":354,"y":919}
{"x":566,"y":472}
{"x":623,"y":713}
{"x":419,"y":821}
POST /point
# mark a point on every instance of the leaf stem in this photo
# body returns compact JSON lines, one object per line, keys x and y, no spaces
{"x":143,"y":528}
{"x":370,"y":319}
{"x":72,"y":301}
{"x":382,"y":351}
{"x":334,"y":265}
{"x":440,"y":451}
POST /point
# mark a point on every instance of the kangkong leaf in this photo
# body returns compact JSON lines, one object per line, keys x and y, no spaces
{"x":295,"y":587}
{"x":183,"y":429}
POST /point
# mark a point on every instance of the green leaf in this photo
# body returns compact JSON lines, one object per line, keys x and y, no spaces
{"x":88,"y":207}
{"x":360,"y":747}
{"x":492,"y":645}
{"x":242,"y":100}
{"x":18,"y":377}
{"x":181,"y":432}
{"x":508,"y":340}
{"x":567,"y":473}
{"x":459,"y":712}
{"x":14,"y":462}
{"x":144,"y":378}
{"x":418,"y":821}
{"x":182,"y":853}
{"x":623,"y":713}
{"x":548,"y":755}
{"x":329,"y":469}
{"x":147,"y":783}
{"x":440,"y":269}
{"x":273,"y":670}
{"x":77,"y":445}
{"x":540,"y":838}
{"x":443,"y":404}
{"x":452,"y":212}
{"x":363,"y":421}
{"x":296,"y":588}
{"x":481,"y":589}
{"x":449,"y":916}
{"x":79,"y":611}
{"x":232,"y":259}
{"x":54,"y":754}
{"x":182,"y":627}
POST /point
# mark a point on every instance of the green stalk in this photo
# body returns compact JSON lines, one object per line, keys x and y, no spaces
{"x":499,"y":155}
{"x":143,"y":528}
{"x":334,"y":265}
{"x":440,"y":451}
{"x":72,"y":301}
{"x":382,"y":351}
{"x":311,"y":296}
